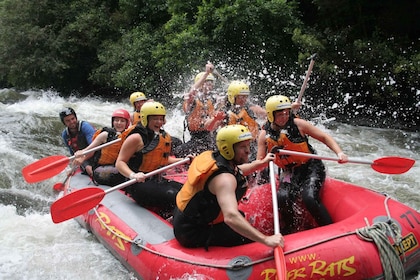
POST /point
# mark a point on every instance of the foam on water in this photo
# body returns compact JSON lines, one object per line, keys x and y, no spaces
{"x":33,"y":247}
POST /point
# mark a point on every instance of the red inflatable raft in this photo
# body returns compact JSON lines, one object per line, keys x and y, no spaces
{"x":372,"y":237}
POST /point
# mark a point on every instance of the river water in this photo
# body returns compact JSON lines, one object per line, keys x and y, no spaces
{"x":33,"y":247}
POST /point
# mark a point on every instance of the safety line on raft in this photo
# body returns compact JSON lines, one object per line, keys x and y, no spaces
{"x":377,"y":233}
{"x":369,"y":233}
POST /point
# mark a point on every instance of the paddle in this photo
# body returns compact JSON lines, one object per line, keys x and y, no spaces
{"x":60,"y":186}
{"x":225,"y":80}
{"x":386,"y":165}
{"x":50,"y":166}
{"x":308,"y":73}
{"x":215,"y":72}
{"x":81,"y":201}
{"x":278,"y":251}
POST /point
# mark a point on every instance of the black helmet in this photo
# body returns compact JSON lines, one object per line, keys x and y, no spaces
{"x":67,"y":112}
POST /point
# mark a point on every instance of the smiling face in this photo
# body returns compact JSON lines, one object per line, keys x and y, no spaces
{"x":70,"y":121}
{"x":155,"y":122}
{"x":281,"y":117}
{"x":119,"y":124}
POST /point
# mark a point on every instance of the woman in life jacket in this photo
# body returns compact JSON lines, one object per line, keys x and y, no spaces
{"x":137,"y":99}
{"x":207,"y":211}
{"x":103,"y":161}
{"x":147,"y":148}
{"x":301,"y":177}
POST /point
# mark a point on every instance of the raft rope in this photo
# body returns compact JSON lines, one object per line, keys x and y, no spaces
{"x":368,"y":233}
{"x":138,"y":242}
{"x":378,"y":233}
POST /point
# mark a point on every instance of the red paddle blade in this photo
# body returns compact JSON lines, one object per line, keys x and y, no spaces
{"x":58,"y":187}
{"x":280,"y":263}
{"x":44,"y":168}
{"x":75,"y":204}
{"x":393,"y":165}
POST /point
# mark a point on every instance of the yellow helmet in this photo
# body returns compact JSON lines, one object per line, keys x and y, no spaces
{"x":276,"y":103}
{"x":151,"y":109}
{"x":229,"y":135}
{"x":236,"y":88}
{"x":137,"y":96}
{"x":210,"y":77}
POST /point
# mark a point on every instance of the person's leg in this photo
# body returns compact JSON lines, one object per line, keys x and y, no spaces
{"x":191,"y":234}
{"x":285,"y":204}
{"x":310,"y":194}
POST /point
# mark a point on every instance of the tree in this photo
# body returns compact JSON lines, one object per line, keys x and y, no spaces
{"x":50,"y":43}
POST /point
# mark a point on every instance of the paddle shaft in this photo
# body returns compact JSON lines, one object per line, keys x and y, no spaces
{"x":225,"y":80}
{"x":81,"y":201}
{"x":60,"y":186}
{"x":278,"y":251}
{"x":386,"y":165}
{"x":215,"y":72}
{"x":294,"y":153}
{"x":150,"y":174}
{"x":308,"y":73}
{"x":50,"y":166}
{"x":98,"y":147}
{"x":274,"y":194}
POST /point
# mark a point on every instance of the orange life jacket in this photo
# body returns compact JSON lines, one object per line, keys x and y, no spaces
{"x":198,"y":116}
{"x":157,"y":157}
{"x":136,"y":117}
{"x":244,"y":118}
{"x":282,"y":140}
{"x":194,"y":196}
{"x":109,"y":154}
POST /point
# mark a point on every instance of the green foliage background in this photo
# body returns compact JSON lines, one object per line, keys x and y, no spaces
{"x":366,"y":72}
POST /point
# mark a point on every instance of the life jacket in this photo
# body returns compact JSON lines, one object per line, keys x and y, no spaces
{"x":246,"y":118}
{"x":136,"y":117}
{"x":199,"y":112}
{"x":109,"y":154}
{"x":195,"y":200}
{"x":288,"y":138}
{"x":77,"y":141}
{"x":156,"y":150}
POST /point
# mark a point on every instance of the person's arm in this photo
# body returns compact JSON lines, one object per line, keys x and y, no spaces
{"x":296,"y":106}
{"x":189,"y":98}
{"x":214,"y":122}
{"x":306,"y":128}
{"x":258,"y":164}
{"x":223,"y":186}
{"x":262,"y":145}
{"x":259,"y":112}
{"x":131,"y":145}
{"x":175,"y":159}
{"x":88,"y":131}
{"x":99,"y":140}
